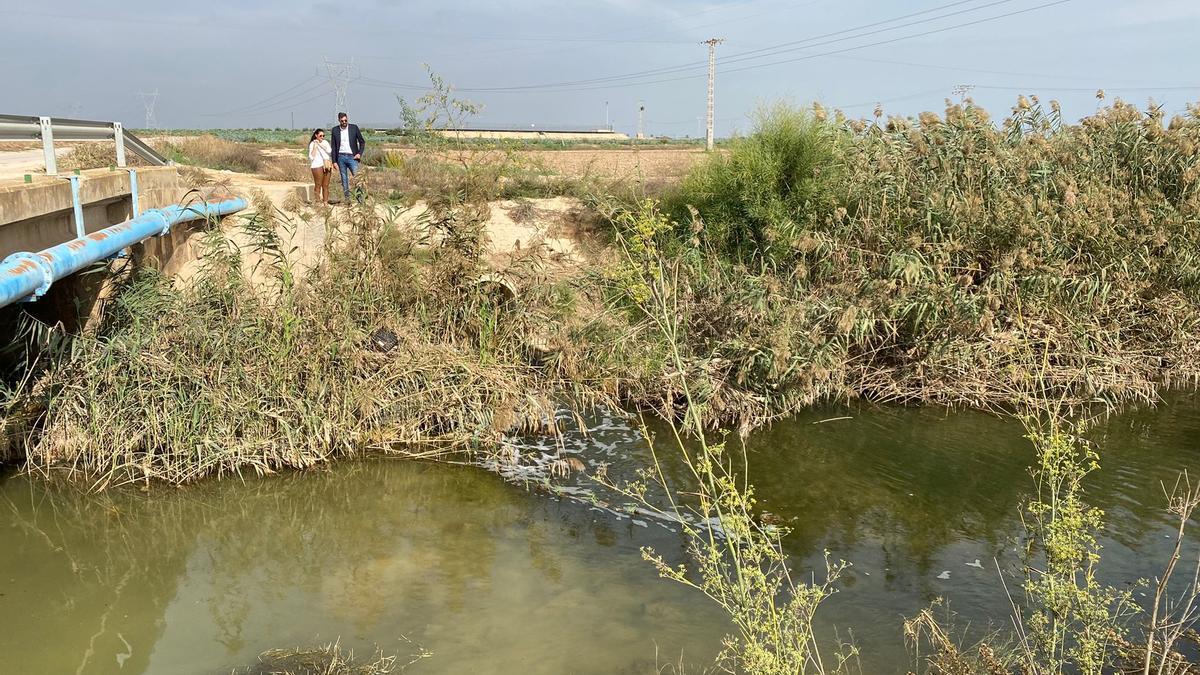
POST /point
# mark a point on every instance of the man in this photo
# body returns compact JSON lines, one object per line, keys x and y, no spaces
{"x":348,"y":145}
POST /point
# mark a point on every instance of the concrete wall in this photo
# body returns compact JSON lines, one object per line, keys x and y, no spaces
{"x":34,"y":217}
{"x":38,"y":216}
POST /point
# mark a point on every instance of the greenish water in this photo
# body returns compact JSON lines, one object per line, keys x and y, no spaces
{"x":493,"y":578}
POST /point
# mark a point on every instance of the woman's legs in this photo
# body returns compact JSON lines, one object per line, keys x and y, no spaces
{"x":325,"y":185}
{"x":318,"y":174}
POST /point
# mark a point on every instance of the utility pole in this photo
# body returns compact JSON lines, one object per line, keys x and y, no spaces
{"x":607,"y":123}
{"x":148,"y":101}
{"x":712,"y":76}
{"x":641,"y":134}
{"x":340,"y":75}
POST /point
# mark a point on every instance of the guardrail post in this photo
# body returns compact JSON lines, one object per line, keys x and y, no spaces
{"x":119,"y":136}
{"x":133,"y":193}
{"x":48,"y":145}
{"x":80,"y":230}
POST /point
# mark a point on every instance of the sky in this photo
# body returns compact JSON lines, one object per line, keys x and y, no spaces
{"x":574,"y":64}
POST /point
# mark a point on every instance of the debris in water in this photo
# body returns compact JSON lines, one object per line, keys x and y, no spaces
{"x":833,"y":419}
{"x":976,"y":564}
{"x":122,"y":657}
{"x":944,"y":575}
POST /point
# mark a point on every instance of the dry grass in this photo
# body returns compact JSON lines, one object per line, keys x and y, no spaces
{"x":215,"y":153}
{"x":96,"y":156}
{"x":383,"y":347}
{"x":287,"y":168}
{"x":327,"y":660}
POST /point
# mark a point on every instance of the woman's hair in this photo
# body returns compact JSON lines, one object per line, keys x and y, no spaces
{"x":314,"y":134}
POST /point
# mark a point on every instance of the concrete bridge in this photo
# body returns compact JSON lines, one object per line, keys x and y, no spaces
{"x":54,"y":226}
{"x":43,"y":212}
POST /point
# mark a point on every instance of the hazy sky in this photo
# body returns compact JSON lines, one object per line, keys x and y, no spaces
{"x":222,"y":63}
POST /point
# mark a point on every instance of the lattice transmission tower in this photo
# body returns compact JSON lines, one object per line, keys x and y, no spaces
{"x":149,"y":99}
{"x":341,"y":74}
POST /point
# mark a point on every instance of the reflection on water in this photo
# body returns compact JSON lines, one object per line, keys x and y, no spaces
{"x":205,"y":578}
{"x":492,"y":578}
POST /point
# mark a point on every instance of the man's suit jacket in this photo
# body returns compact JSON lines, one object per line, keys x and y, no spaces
{"x":357,"y":142}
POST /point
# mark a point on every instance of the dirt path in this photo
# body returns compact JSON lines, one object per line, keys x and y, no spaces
{"x":14,"y":164}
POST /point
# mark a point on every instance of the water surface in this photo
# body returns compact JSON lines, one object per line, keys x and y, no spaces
{"x":495,"y":578}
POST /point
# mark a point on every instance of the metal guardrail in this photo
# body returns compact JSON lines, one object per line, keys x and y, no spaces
{"x":25,"y":128}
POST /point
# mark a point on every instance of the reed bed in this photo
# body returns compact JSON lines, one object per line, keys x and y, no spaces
{"x":374,"y":350}
{"x":946,"y":259}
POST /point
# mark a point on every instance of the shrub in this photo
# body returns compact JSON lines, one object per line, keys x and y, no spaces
{"x":758,"y":197}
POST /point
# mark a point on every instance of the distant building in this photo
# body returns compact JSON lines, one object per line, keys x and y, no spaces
{"x":534,"y":134}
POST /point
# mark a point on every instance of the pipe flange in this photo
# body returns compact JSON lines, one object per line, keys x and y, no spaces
{"x":166,"y":228}
{"x":42,"y":266}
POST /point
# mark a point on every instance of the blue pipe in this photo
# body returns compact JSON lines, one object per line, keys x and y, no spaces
{"x":27,"y":276}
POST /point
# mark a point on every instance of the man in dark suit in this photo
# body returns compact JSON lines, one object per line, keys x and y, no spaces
{"x":347,"y":144}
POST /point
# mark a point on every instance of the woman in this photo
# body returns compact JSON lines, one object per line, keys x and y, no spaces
{"x":321,"y":163}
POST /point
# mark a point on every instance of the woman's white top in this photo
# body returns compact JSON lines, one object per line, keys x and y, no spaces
{"x":318,"y":153}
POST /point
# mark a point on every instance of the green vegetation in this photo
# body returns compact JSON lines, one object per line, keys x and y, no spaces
{"x":758,"y":199}
{"x":916,"y":261}
{"x":1068,"y":622}
{"x":738,"y":561}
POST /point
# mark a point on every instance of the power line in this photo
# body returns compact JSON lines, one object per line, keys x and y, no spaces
{"x":321,"y":87}
{"x":895,"y":99}
{"x":323,"y":90}
{"x":737,"y":56}
{"x":814,"y":41}
{"x":266,"y":101}
{"x":761,"y":65}
{"x":831,"y":53}
{"x":766,"y":52}
{"x":806,"y":42}
{"x":907,"y":37}
{"x":961,"y":69}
